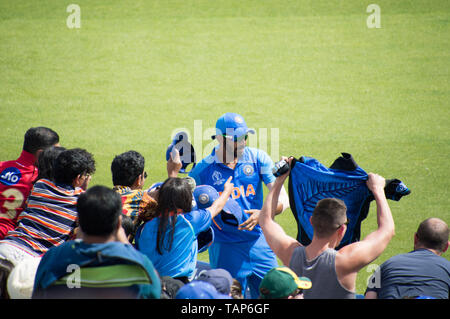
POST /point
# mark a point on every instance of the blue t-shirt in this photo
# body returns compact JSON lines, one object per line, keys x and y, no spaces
{"x":252,"y":169}
{"x":181,"y":259}
{"x":417,"y":273}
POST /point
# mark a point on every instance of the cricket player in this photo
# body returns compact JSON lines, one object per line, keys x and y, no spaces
{"x":242,"y":250}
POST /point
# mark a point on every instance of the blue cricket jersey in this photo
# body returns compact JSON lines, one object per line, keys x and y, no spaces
{"x":310,"y":181}
{"x":252,"y":169}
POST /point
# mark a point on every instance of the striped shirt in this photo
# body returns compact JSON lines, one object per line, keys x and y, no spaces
{"x":49,"y":219}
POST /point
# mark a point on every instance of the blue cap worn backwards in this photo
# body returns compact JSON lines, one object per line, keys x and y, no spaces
{"x":232,"y":125}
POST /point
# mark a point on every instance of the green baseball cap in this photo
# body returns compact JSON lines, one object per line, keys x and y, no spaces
{"x":280,"y":282}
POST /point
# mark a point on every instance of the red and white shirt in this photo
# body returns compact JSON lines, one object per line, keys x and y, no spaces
{"x":16,"y":181}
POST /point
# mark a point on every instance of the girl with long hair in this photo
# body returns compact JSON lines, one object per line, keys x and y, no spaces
{"x":169,"y":237}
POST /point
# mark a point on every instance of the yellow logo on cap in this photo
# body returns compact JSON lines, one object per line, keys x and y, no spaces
{"x":302,"y":282}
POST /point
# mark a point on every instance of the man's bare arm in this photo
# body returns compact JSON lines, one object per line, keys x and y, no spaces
{"x":282,"y":203}
{"x":358,"y":255}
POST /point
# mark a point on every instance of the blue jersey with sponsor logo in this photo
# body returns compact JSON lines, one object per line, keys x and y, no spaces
{"x":252,"y":169}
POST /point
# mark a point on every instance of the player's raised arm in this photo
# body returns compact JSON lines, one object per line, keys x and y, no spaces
{"x":220,"y":202}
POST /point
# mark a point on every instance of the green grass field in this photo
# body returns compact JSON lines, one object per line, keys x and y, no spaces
{"x":138,"y":70}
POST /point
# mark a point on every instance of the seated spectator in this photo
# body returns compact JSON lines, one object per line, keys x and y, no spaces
{"x":170,"y":287}
{"x":283,"y":283}
{"x":332,"y":272}
{"x":199,"y":290}
{"x":129,"y":227}
{"x":128,"y":176}
{"x":109,"y":267}
{"x":17,"y":284}
{"x":220,"y":278}
{"x":170,"y":239}
{"x":46,"y":162}
{"x":236,"y":290}
{"x":17,"y":177}
{"x":51,"y":216}
{"x":422,"y":272}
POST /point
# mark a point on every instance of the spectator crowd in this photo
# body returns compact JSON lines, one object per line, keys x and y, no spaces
{"x":61,"y":237}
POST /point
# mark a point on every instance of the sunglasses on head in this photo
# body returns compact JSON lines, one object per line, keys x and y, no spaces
{"x":235,"y":138}
{"x":346,"y":223}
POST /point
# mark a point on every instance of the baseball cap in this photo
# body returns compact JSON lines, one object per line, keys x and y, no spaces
{"x":205,"y":239}
{"x":280,"y":282}
{"x":232,"y":125}
{"x":186,"y":150}
{"x":199,"y":290}
{"x":205,"y":195}
{"x":232,"y":213}
{"x":220,"y":278}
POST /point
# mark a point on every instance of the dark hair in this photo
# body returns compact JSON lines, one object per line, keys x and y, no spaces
{"x":98,"y":210}
{"x":71,"y":163}
{"x":46,"y":162}
{"x":433,"y":234}
{"x":128,"y":225}
{"x":236,"y":290}
{"x":37,"y":138}
{"x":174,"y":196}
{"x":126,"y":167}
{"x":328,"y":215}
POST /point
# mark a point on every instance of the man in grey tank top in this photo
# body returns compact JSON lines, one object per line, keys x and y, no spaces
{"x":332,"y":273}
